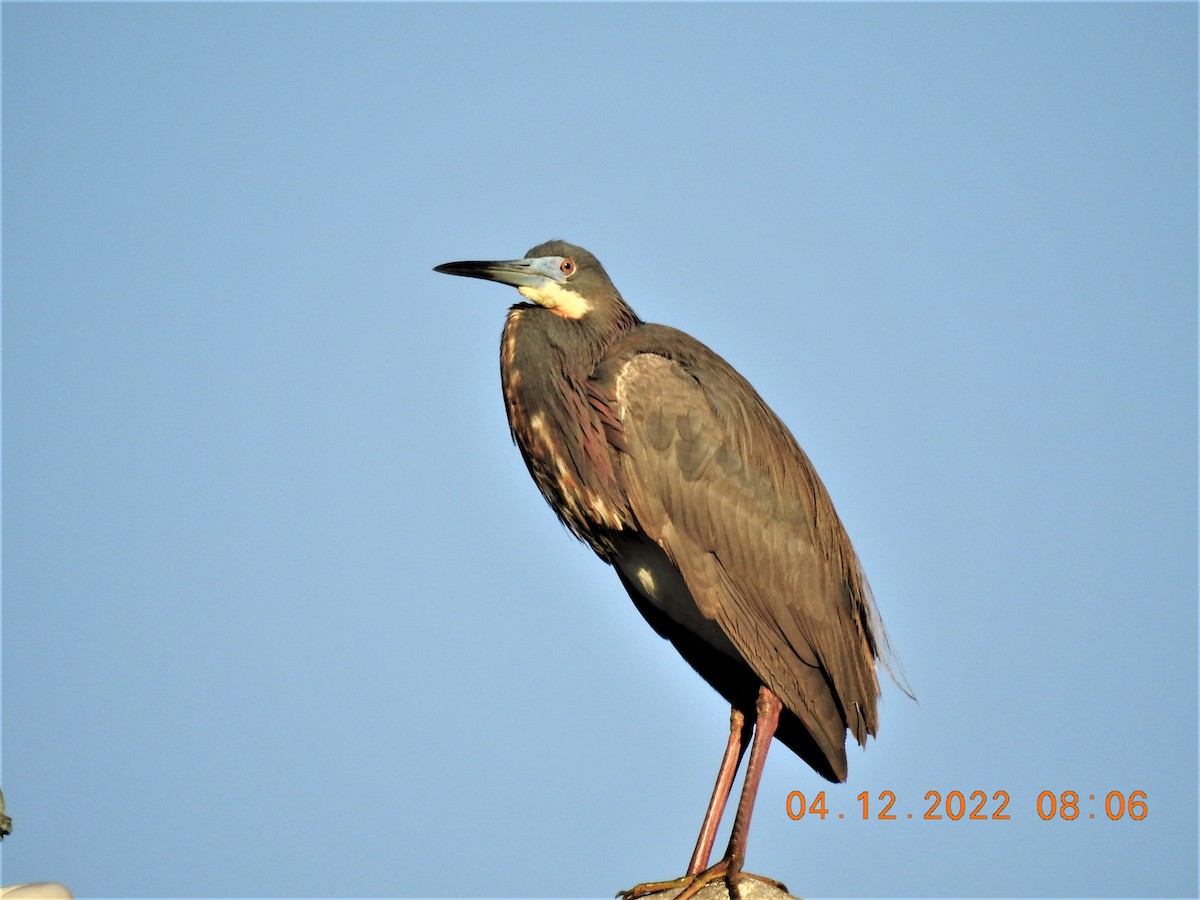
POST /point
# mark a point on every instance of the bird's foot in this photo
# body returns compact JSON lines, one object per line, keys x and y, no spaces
{"x":690,"y":885}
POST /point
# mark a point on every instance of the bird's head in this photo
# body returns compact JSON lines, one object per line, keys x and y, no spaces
{"x":556,"y":275}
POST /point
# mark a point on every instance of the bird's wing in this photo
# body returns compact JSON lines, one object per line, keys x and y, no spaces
{"x":718,"y":482}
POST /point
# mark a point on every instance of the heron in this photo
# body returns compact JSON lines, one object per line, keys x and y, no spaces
{"x":652,"y":450}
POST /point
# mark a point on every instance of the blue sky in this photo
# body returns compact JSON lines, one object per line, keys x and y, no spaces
{"x":283,"y":614}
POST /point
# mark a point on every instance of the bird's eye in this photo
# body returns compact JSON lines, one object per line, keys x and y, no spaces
{"x":567,"y":266}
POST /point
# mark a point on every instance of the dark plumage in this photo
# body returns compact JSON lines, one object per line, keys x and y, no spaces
{"x":654,"y":451}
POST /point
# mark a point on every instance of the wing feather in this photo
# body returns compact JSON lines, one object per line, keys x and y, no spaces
{"x":717,"y":481}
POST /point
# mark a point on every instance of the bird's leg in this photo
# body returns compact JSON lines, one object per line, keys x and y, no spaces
{"x":767,"y":708}
{"x":729,"y":868}
{"x":734,"y":750}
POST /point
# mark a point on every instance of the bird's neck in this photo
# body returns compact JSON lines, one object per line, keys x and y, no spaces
{"x":535,"y":337}
{"x":544,"y":369}
{"x":545,"y":361}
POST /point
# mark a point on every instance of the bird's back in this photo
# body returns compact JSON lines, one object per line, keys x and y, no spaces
{"x":717,"y":485}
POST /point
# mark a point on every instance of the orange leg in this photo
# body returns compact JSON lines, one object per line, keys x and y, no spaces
{"x":721,"y":790}
{"x":729,"y":868}
{"x":767,"y":707}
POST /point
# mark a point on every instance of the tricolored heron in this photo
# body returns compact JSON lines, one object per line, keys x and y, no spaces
{"x":653,"y":451}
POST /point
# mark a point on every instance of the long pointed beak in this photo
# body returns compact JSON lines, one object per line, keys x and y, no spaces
{"x":532,"y":273}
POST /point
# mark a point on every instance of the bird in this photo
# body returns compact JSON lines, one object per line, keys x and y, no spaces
{"x":655,"y":452}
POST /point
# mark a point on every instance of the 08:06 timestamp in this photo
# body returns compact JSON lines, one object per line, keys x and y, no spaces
{"x":978,"y":806}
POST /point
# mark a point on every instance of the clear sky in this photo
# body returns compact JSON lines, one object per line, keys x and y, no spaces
{"x":283,"y":614}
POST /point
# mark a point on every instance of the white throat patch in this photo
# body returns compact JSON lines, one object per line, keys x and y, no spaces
{"x":557,"y":298}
